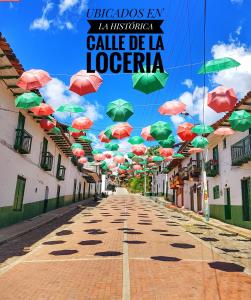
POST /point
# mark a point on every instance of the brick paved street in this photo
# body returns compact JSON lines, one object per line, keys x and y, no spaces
{"x":126,"y":247}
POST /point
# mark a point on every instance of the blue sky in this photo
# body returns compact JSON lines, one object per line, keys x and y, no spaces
{"x":51,"y":35}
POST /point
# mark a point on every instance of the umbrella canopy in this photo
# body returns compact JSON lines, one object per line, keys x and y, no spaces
{"x":240,"y":120}
{"x":103,"y":138}
{"x":108,"y":133}
{"x":166,"y":152}
{"x":78,"y":152}
{"x":145,"y":133}
{"x":202,"y":129}
{"x":224,"y":131}
{"x":199,"y":142}
{"x":33,"y":79}
{"x":178,"y":156}
{"x":160,"y":130}
{"x":119,"y":159}
{"x":82,"y":123}
{"x":55,"y":130}
{"x":107,"y":154}
{"x":82,"y":160}
{"x":168,"y":158}
{"x":28,"y":100}
{"x":83,"y":83}
{"x":135,"y":140}
{"x":139,"y":149}
{"x":157,"y":158}
{"x":138,"y":159}
{"x":130,"y":155}
{"x":123,"y":167}
{"x":71,"y":108}
{"x":85,"y":139}
{"x":77,"y":134}
{"x":218,"y":64}
{"x":42,"y":110}
{"x":76,"y":145}
{"x":96,"y":151}
{"x":171,"y":108}
{"x":112,"y":146}
{"x":99,"y":157}
{"x":121,"y":130}
{"x":47,"y":124}
{"x":185,"y":133}
{"x":71,"y":129}
{"x":195,"y":150}
{"x":137,"y":167}
{"x":119,"y":110}
{"x":149,"y":82}
{"x":168,"y":143}
{"x":222,"y":99}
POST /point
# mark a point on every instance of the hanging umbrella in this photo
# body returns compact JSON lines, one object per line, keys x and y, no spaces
{"x":240,"y":120}
{"x":168,"y":158}
{"x":137,"y":167}
{"x":112,"y":165}
{"x":168,"y":143}
{"x":145,"y":133}
{"x":178,"y":156}
{"x":202,"y":129}
{"x":108,"y":133}
{"x":82,"y":123}
{"x":83,"y":83}
{"x":103,"y":138}
{"x":135,"y":140}
{"x":139,"y":149}
{"x":99,"y":157}
{"x":195,"y":150}
{"x":218,"y":64}
{"x":149,"y":82}
{"x":224,"y":131}
{"x":55,"y":130}
{"x":82,"y":160}
{"x":71,"y":108}
{"x":157,"y":158}
{"x":185,"y":133}
{"x":108,"y":154}
{"x":33,"y":79}
{"x":171,"y":108}
{"x":76,"y":145}
{"x":199,"y":142}
{"x":121,"y":130}
{"x":42,"y":110}
{"x":96,"y":151}
{"x":85,"y":139}
{"x":78,"y":152}
{"x":123,"y":167}
{"x":46,"y":124}
{"x":166,"y":152}
{"x":222,"y":99}
{"x":112,"y":146}
{"x":138,"y":159}
{"x":77,"y":134}
{"x":28,"y":100}
{"x":119,"y":110}
{"x":130,"y":155}
{"x":71,"y":129}
{"x":119,"y":159}
{"x":160,"y":130}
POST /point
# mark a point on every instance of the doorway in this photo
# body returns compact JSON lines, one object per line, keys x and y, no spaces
{"x":79,"y":191}
{"x":246,"y":198}
{"x":74,"y":190}
{"x":46,"y":197}
{"x":192,"y":198}
{"x":227,"y":206}
{"x":199,"y":198}
{"x":58,"y":196}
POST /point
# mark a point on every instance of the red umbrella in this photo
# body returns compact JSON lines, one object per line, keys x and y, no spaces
{"x":119,"y":159}
{"x":82,"y":160}
{"x":107,"y":154}
{"x":222,"y":99}
{"x":139,"y":149}
{"x":145,"y":133}
{"x":166,"y":152}
{"x":121,"y":130}
{"x":137,"y":167}
{"x":77,"y":134}
{"x":99,"y":157}
{"x":78,"y":152}
{"x":112,"y":166}
{"x":224,"y":131}
{"x":151,"y":164}
{"x":173,"y":107}
{"x":46,"y":124}
{"x":83,"y":83}
{"x":42,"y":110}
{"x":33,"y":79}
{"x":103,"y":138}
{"x":168,"y":158}
{"x":82,"y":123}
{"x":185,"y":133}
{"x":195,"y":150}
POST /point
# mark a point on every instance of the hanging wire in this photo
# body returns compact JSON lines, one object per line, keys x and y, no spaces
{"x":204,"y":59}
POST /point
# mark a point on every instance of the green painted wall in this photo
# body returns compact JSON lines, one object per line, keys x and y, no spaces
{"x":218,"y":212}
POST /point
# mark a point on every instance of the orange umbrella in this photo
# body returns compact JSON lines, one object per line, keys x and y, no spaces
{"x":33,"y":79}
{"x":77,"y":134}
{"x":137,"y":167}
{"x":82,"y":123}
{"x":168,"y":158}
{"x":46,"y":124}
{"x":42,"y":110}
{"x":166,"y":152}
{"x":222,"y":99}
{"x":145,"y":133}
{"x":224,"y":131}
{"x":185,"y":133}
{"x":78,"y":152}
{"x":119,"y":159}
{"x":139,"y":149}
{"x":82,"y":160}
{"x":99,"y":157}
{"x":112,"y":166}
{"x":103,"y":138}
{"x":83,"y":83}
{"x":171,"y":108}
{"x":195,"y":150}
{"x":121,"y":130}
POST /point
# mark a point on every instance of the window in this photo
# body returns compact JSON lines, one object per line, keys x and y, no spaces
{"x":216,"y":192}
{"x":224,"y":143}
{"x":59,"y":164}
{"x":215,"y":153}
{"x":19,"y":193}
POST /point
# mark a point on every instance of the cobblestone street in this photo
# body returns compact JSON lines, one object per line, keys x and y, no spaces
{"x":126,"y":247}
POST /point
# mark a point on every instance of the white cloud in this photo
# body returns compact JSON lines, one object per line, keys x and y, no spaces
{"x":69,"y":25}
{"x":188,"y":83}
{"x":125,"y":146}
{"x":237,"y":1}
{"x":177,"y":120}
{"x":65,"y":5}
{"x":238,"y":30}
{"x":96,"y":144}
{"x":43,"y":23}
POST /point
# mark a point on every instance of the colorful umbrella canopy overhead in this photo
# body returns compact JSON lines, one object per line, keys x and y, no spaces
{"x":119,"y":159}
{"x":171,"y":108}
{"x":195,"y":150}
{"x":139,"y":149}
{"x":199,"y":142}
{"x":55,"y":130}
{"x":33,"y":79}
{"x":138,"y":159}
{"x":168,"y":143}
{"x":202,"y":129}
{"x":166,"y":152}
{"x":82,"y":160}
{"x":160,"y":130}
{"x":107,"y":154}
{"x":218,"y":64}
{"x":240,"y":120}
{"x":121,"y":130}
{"x":76,"y":145}
{"x":185,"y":133}
{"x":83,"y":83}
{"x":145,"y":133}
{"x":96,"y":151}
{"x":85,"y":139}
{"x":137,"y":167}
{"x":119,"y":110}
{"x":99,"y":157}
{"x":28,"y":100}
{"x":157,"y":158}
{"x":222,"y":99}
{"x":103,"y":138}
{"x":78,"y":152}
{"x":178,"y":156}
{"x":47,"y":124}
{"x":224,"y":131}
{"x":71,"y":129}
{"x":42,"y":110}
{"x":71,"y":108}
{"x":149,"y":82}
{"x":82,"y":123}
{"x":77,"y":134}
{"x":130,"y":155}
{"x":112,"y":146}
{"x":135,"y":140}
{"x":108,"y":133}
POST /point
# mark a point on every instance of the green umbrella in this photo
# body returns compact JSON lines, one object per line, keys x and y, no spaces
{"x":178,"y":156}
{"x":71,"y":129}
{"x":76,"y":145}
{"x":199,"y":142}
{"x":123,"y":167}
{"x":157,"y":158}
{"x":149,"y":82}
{"x":218,"y":64}
{"x":202,"y":129}
{"x":119,"y":110}
{"x":112,"y":146}
{"x":138,"y":159}
{"x":28,"y":100}
{"x":85,"y":139}
{"x":160,"y":130}
{"x":118,"y":153}
{"x":55,"y":130}
{"x":71,"y":108}
{"x":240,"y":120}
{"x":168,"y":143}
{"x":108,"y":133}
{"x":96,"y":151}
{"x":135,"y":140}
{"x":130,"y":155}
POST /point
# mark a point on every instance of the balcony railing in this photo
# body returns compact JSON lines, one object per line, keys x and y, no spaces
{"x":194,"y":168}
{"x":212,"y":168}
{"x":23,"y":141}
{"x":241,"y":151}
{"x":47,"y":161}
{"x":61,"y":173}
{"x":184,"y":174}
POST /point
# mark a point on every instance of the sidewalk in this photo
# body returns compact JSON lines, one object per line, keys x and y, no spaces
{"x":16,"y":230}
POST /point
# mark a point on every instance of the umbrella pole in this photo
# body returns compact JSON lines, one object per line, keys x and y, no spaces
{"x":204,"y":188}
